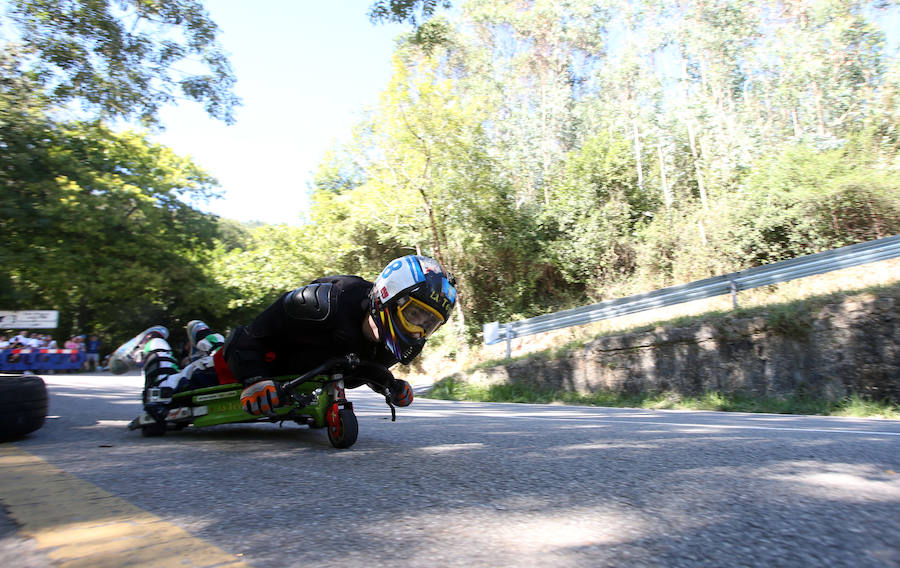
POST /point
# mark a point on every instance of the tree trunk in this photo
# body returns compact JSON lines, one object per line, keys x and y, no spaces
{"x":667,"y":194}
{"x":545,"y":142}
{"x":820,"y":112}
{"x":637,"y":154}
{"x":697,"y":166}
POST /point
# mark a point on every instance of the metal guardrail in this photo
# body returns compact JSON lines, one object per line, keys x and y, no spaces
{"x":809,"y":265}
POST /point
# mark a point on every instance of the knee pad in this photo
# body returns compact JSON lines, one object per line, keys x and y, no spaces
{"x":155,"y":345}
{"x":202,"y":339}
{"x":209,"y":343}
{"x":196,"y":330}
{"x":158,"y":362}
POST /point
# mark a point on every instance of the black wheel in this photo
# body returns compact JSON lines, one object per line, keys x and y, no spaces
{"x":342,"y":427}
{"x":153,"y":430}
{"x":23,"y":405}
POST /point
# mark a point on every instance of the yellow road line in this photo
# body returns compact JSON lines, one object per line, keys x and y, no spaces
{"x":77,"y":524}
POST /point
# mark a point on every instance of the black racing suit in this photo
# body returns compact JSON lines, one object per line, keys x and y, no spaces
{"x":304,"y":328}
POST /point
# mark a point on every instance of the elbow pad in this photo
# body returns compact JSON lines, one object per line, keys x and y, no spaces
{"x":310,"y":303}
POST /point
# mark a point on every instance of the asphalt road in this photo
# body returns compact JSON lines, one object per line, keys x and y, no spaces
{"x":471,"y":484}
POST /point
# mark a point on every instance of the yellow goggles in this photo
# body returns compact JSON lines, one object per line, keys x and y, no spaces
{"x":418,"y":318}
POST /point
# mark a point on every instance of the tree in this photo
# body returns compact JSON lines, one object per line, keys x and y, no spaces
{"x":595,"y":207}
{"x":273,"y":260}
{"x":124,"y":58}
{"x":100,"y":224}
{"x":427,"y":33}
{"x":542,"y":52}
{"x":413,"y":11}
{"x":803,"y":201}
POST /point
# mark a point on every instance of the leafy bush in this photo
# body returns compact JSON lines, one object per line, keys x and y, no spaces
{"x":804,"y":201}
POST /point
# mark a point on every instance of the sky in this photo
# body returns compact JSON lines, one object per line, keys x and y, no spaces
{"x":306,"y":70}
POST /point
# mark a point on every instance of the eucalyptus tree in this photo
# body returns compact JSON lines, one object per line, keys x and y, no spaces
{"x":620,"y":141}
{"x":542,"y":52}
{"x":420,"y":177}
{"x":433,"y":175}
{"x":828,"y":76}
{"x":710,"y":40}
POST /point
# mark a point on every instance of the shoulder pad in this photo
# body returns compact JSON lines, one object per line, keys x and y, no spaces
{"x":309,"y":303}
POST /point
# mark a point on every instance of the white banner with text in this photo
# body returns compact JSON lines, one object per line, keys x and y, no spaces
{"x":29,"y":319}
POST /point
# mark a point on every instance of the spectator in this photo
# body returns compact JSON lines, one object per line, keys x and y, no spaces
{"x":51,"y":343}
{"x":4,"y":343}
{"x":71,"y":343}
{"x":92,"y":350}
{"x":20,"y":341}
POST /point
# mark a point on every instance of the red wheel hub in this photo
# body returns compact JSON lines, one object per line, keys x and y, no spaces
{"x":334,"y":420}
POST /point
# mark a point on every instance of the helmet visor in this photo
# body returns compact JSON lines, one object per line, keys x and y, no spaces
{"x":418,"y":318}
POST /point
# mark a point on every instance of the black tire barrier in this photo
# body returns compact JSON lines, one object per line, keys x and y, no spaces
{"x":23,"y":405}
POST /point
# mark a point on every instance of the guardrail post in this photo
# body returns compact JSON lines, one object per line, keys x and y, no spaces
{"x":734,"y":290}
{"x":509,"y":335}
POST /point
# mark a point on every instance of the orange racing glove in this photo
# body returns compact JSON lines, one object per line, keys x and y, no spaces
{"x":262,"y":398}
{"x":401,"y":393}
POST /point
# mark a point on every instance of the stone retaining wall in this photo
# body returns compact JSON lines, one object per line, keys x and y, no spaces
{"x":852,"y":347}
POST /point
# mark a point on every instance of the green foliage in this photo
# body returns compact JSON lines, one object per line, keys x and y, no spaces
{"x":233,"y":234}
{"x":412,"y":11}
{"x":548,"y":166}
{"x":859,"y":407}
{"x":125,"y":59}
{"x":274,"y":260}
{"x":101,"y":225}
{"x":595,"y":207}
{"x":791,"y":320}
{"x":428,"y":33}
{"x":451,"y":388}
{"x":803,"y":201}
{"x":337,"y":173}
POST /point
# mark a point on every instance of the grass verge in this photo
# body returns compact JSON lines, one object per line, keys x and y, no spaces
{"x":853,"y":406}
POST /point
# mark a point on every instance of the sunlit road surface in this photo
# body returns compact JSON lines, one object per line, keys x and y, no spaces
{"x":453,"y":484}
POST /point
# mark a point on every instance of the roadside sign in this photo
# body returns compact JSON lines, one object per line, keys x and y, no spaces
{"x":29,"y":319}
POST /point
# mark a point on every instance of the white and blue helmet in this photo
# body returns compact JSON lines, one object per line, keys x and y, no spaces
{"x":412,"y":297}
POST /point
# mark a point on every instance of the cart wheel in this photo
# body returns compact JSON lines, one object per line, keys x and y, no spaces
{"x":342,"y":427}
{"x":153,"y":430}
